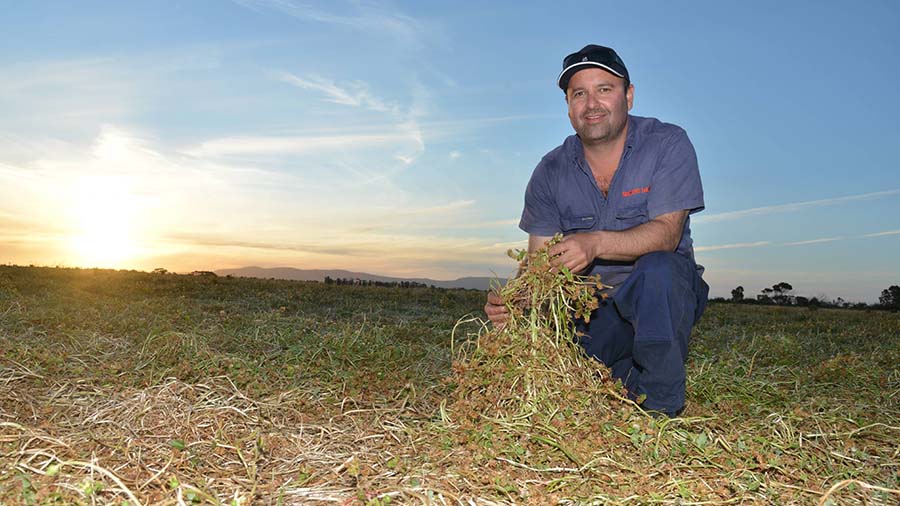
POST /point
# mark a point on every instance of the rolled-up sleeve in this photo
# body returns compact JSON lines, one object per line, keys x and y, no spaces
{"x":541,"y":213}
{"x":676,"y":184}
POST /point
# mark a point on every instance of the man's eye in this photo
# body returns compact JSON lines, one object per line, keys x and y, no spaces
{"x":578,"y":94}
{"x":605,"y":89}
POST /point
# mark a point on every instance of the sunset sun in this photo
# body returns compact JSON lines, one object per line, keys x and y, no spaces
{"x":102,"y":223}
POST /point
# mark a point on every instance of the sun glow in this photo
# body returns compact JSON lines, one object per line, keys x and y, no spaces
{"x":102,"y":222}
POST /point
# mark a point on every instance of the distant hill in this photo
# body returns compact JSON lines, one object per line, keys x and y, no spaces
{"x":477,"y":283}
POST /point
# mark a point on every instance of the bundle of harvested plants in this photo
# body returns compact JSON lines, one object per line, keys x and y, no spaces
{"x":530,"y":381}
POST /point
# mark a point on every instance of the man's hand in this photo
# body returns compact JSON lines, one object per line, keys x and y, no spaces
{"x":576,"y":252}
{"x":496,"y":310}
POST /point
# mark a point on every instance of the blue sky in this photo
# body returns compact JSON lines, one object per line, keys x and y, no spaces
{"x":397,"y":137}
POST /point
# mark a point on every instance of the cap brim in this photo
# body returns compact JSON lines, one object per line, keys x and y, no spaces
{"x":581,"y":64}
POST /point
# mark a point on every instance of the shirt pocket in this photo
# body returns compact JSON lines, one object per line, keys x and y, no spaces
{"x":574,"y":224}
{"x":631,"y":216}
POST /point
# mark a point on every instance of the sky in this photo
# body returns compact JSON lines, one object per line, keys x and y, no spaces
{"x":397,"y":138}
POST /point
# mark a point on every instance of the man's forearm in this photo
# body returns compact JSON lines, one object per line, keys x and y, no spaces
{"x":629,"y":245}
{"x":578,"y":251}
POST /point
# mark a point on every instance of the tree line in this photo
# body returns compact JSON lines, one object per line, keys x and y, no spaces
{"x":368,"y":282}
{"x":781,"y":294}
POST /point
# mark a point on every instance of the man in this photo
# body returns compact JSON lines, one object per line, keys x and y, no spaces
{"x":621,"y":191}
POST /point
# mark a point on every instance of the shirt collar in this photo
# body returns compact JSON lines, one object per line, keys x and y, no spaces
{"x":630,"y":136}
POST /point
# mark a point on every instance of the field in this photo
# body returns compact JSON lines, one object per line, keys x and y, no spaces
{"x":137,"y":388}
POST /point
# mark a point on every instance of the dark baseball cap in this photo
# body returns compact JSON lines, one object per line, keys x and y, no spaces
{"x":592,"y":56}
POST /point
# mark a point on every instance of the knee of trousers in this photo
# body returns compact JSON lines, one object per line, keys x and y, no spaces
{"x":659,"y":279}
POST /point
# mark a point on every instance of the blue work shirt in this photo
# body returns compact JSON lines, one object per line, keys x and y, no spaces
{"x":657,"y":174}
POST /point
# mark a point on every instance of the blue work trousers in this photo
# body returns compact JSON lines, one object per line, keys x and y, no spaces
{"x":642,"y":332}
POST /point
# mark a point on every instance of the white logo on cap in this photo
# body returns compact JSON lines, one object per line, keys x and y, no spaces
{"x":584,"y":59}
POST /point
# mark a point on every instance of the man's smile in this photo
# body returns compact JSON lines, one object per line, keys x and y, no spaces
{"x":594,"y":117}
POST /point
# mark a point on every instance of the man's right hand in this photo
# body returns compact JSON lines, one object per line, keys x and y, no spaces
{"x":496,"y":310}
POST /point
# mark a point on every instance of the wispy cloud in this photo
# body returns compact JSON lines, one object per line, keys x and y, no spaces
{"x":487,"y":224}
{"x":883,"y":234}
{"x":814,"y":241}
{"x":740,"y":245}
{"x":91,"y":74}
{"x":255,"y":145}
{"x":12,"y":172}
{"x":503,"y":246}
{"x":63,"y":94}
{"x":386,"y":254}
{"x":212,"y":240}
{"x":441,"y":209}
{"x":10,"y":222}
{"x":791,"y":207}
{"x":358,"y":94}
{"x":355,"y":93}
{"x":362,"y":16}
{"x":822,"y":240}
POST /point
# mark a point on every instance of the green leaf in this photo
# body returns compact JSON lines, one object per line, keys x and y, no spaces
{"x":702,"y":440}
{"x":177,"y":444}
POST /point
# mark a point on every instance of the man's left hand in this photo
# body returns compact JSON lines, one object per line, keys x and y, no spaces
{"x":576,"y":252}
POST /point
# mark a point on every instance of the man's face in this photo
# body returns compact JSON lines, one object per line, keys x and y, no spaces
{"x":598,"y":105}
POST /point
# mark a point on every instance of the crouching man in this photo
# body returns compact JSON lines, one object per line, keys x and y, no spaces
{"x":621,"y":191}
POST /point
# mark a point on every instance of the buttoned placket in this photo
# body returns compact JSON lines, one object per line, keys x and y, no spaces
{"x":614,"y":190}
{"x":603,"y":218}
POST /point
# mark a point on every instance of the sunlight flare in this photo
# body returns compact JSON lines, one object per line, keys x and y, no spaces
{"x":103,"y":218}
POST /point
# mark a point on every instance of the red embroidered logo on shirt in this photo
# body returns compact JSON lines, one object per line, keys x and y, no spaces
{"x":635,"y":191}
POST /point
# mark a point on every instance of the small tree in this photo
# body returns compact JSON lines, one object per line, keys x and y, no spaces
{"x":782,"y":293}
{"x":890,"y":297}
{"x":737,"y":294}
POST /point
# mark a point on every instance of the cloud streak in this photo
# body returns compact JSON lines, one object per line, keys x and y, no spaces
{"x":388,"y":254}
{"x":814,"y":241}
{"x":366,"y":17}
{"x":740,"y":245}
{"x":355,"y":94}
{"x":791,"y":207}
{"x":261,"y":145}
{"x":883,"y":234}
{"x":823,"y":240}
